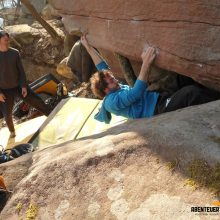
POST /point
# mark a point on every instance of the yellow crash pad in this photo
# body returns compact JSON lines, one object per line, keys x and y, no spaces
{"x":24,"y":132}
{"x":93,"y":126}
{"x":72,"y":119}
{"x":65,"y":122}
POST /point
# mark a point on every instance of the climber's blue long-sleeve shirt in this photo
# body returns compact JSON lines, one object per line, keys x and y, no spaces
{"x":136,"y":102}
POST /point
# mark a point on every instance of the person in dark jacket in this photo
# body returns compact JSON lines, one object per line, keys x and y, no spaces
{"x":13,"y":83}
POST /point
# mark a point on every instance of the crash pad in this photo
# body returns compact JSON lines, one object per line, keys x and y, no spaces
{"x":65,"y":122}
{"x":46,"y":84}
{"x":24,"y":132}
{"x":93,"y":126}
{"x":72,"y":119}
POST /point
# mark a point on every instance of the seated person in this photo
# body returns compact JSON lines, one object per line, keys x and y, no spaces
{"x":138,"y":102}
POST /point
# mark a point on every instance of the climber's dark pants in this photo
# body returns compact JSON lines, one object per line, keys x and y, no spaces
{"x":188,"y":95}
{"x":31,"y":99}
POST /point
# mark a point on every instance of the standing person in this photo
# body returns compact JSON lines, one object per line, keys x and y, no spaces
{"x":13,"y":83}
{"x":138,"y":102}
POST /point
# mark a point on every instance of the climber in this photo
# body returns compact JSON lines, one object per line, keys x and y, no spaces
{"x":138,"y":102}
{"x":13,"y":83}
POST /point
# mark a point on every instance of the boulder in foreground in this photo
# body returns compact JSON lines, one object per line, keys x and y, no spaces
{"x":140,"y":169}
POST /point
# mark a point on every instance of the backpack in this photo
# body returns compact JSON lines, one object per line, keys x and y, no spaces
{"x":21,"y":149}
{"x":4,"y":157}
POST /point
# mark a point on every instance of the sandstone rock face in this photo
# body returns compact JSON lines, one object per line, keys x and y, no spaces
{"x":186,"y":34}
{"x":80,"y":62}
{"x":137,"y":170}
{"x":78,"y":66}
{"x":64,"y":70}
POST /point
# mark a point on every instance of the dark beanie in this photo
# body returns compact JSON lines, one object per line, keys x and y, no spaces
{"x":3,"y":33}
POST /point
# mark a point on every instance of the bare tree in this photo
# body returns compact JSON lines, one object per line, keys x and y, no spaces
{"x":2,"y":5}
{"x":47,"y":26}
{"x":18,"y":8}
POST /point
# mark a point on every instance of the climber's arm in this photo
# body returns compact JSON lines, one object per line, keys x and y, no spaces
{"x":148,"y":57}
{"x":96,"y":57}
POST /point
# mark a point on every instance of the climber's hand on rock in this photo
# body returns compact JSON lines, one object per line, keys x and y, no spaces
{"x":148,"y":56}
{"x":84,"y":41}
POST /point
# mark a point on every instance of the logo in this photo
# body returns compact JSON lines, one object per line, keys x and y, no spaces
{"x":205,"y":209}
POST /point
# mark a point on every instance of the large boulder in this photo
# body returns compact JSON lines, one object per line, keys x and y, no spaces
{"x":80,"y":62}
{"x":186,"y":33}
{"x":65,"y":71}
{"x":23,"y":33}
{"x":78,"y":65}
{"x":143,"y":169}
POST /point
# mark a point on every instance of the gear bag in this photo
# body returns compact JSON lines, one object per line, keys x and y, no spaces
{"x":17,"y":151}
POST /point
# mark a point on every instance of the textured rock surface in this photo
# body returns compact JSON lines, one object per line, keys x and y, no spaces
{"x":80,"y":62}
{"x":23,"y":33}
{"x":78,"y":65}
{"x":186,"y":33}
{"x":123,"y":173}
{"x":65,"y":71}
